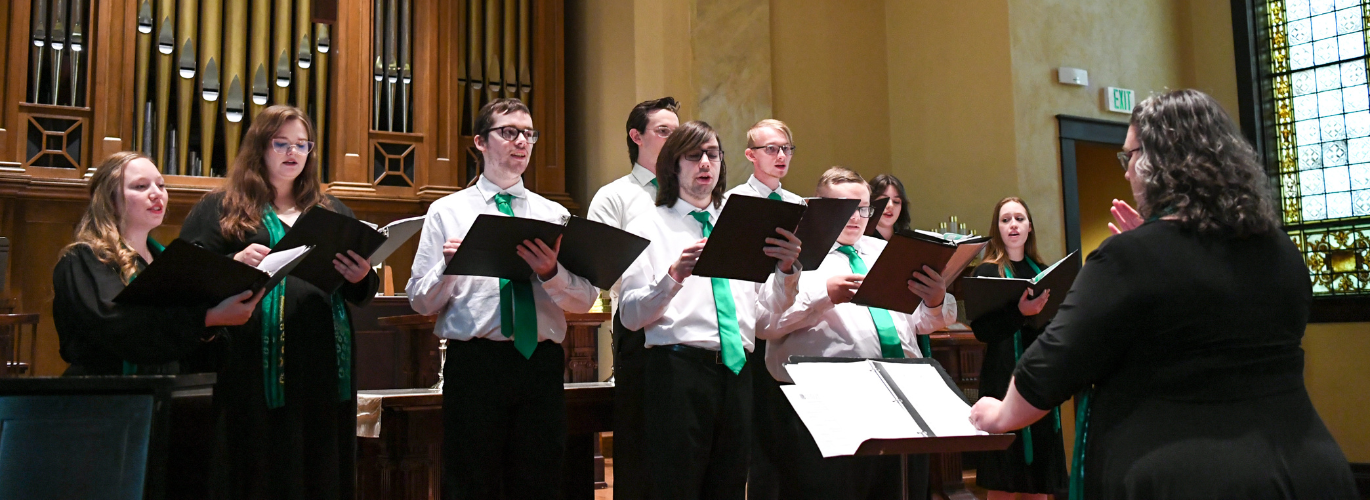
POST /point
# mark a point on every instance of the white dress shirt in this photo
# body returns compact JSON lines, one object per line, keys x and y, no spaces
{"x":754,"y":187}
{"x":470,"y":304}
{"x":813,"y":326}
{"x":684,"y":313}
{"x":621,"y":201}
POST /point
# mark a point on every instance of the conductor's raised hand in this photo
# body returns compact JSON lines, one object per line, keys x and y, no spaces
{"x":449,"y":248}
{"x":1033,"y":307}
{"x":787,"y":250}
{"x":352,"y":266}
{"x":540,"y":257}
{"x":252,"y":255}
{"x":842,"y":287}
{"x":234,"y":310}
{"x":929,"y":286}
{"x":1125,"y":218}
{"x":685,"y":265}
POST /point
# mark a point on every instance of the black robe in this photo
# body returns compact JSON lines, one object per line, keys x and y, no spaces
{"x":97,"y":336}
{"x":1008,"y":470}
{"x":306,"y":448}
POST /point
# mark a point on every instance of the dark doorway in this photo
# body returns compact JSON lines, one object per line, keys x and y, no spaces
{"x":1090,"y":178}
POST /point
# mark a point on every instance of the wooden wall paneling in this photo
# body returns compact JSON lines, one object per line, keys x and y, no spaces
{"x":36,"y":245}
{"x":5,"y":22}
{"x":549,"y":101}
{"x":17,"y":64}
{"x":349,"y":147}
{"x":430,"y":99}
{"x":111,"y":67}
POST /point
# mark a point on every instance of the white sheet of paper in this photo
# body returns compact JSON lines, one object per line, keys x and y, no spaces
{"x":274,"y":260}
{"x":943,"y":410}
{"x":844,"y":404}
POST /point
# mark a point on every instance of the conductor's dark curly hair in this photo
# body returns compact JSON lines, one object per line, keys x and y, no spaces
{"x":1196,"y":166}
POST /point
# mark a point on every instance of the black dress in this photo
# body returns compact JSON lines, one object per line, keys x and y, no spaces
{"x":1193,"y":346}
{"x":97,"y":336}
{"x":1008,"y":470}
{"x":306,"y":448}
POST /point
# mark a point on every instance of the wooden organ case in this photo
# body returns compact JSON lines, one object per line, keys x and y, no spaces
{"x":393,"y":87}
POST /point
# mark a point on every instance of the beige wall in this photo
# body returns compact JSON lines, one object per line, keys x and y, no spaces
{"x":951,"y":108}
{"x":829,"y":61}
{"x":1338,"y":381}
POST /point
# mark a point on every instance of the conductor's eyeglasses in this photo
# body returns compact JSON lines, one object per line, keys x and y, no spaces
{"x":511,"y":133}
{"x":1126,"y":155}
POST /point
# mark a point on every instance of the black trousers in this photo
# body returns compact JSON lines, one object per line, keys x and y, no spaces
{"x":630,"y":466}
{"x":504,"y":421}
{"x":698,"y":427}
{"x":803,"y":473}
{"x":763,"y":481}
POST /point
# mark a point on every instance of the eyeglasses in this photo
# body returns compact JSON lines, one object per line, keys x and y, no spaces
{"x":1125,"y":156}
{"x":714,"y":155}
{"x":772,"y":149}
{"x":511,"y":133}
{"x":865,"y":212}
{"x":283,"y":147}
{"x":663,"y":132}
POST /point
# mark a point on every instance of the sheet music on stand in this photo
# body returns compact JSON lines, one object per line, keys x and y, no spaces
{"x":846,"y":402}
{"x":854,"y":406}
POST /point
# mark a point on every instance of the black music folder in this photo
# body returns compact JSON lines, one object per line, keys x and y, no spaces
{"x":878,"y":210}
{"x":985,"y":294}
{"x":597,"y":252}
{"x":490,"y":246}
{"x":823,"y":222}
{"x":886,"y":284}
{"x":735,"y":247}
{"x":187,"y":275}
{"x":331,"y":233}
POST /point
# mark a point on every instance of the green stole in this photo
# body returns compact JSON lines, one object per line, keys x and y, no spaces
{"x":1018,"y":353}
{"x":131,"y":368}
{"x":273,"y":331}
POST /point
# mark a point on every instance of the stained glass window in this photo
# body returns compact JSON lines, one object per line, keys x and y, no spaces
{"x":1317,"y":79}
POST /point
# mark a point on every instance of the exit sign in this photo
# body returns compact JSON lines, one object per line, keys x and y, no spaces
{"x":1118,"y":100}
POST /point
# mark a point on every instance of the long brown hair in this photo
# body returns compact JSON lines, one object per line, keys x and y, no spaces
{"x":248,"y":191}
{"x":688,"y":137}
{"x":1196,"y":165}
{"x":99,"y":226}
{"x":997,"y":251}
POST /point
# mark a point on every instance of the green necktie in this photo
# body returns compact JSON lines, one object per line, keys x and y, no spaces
{"x":518,"y":315}
{"x":654,"y":184}
{"x":729,"y":336}
{"x":890,"y":347}
{"x":774,"y":196}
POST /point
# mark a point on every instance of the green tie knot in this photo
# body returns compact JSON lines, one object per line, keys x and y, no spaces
{"x":703,"y":218}
{"x":858,"y":265}
{"x":502,"y":201}
{"x":654,"y":184}
{"x":774,"y":196}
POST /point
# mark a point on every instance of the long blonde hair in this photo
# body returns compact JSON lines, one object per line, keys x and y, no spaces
{"x":99,"y":226}
{"x":248,"y":191}
{"x":997,"y":252}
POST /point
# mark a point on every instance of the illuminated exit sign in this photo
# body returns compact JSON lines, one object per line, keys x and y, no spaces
{"x":1119,"y":100}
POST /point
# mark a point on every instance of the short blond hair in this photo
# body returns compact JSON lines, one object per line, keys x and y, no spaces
{"x":768,"y":123}
{"x":841,"y":175}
